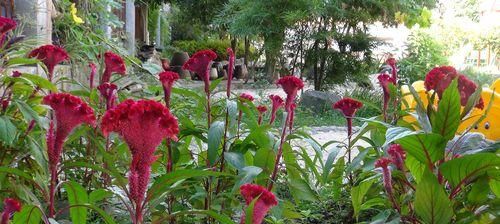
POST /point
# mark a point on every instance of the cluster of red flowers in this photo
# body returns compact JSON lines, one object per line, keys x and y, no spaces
{"x":114,"y":64}
{"x":246,"y":97}
{"x":108,"y":92}
{"x":266,"y":200}
{"x":277,"y":102}
{"x":167,"y":80}
{"x":291,"y":85}
{"x":384,"y":81}
{"x":50,"y":55}
{"x":439,"y":78}
{"x":6,"y":25}
{"x":10,"y":206}
{"x":261,"y":109}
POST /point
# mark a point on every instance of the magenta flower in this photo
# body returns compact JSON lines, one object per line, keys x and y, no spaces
{"x":348,"y":107}
{"x":397,"y":155}
{"x":50,"y":55}
{"x":277,"y":102}
{"x":200,"y":63}
{"x":108,"y":92}
{"x":6,"y":25}
{"x":143,"y":125}
{"x":4,"y":103}
{"x":70,"y":112}
{"x":291,"y":85}
{"x":261,"y":109}
{"x":392,"y":62}
{"x":93,"y":72}
{"x":266,"y":201}
{"x":10,"y":206}
{"x":167,"y":80}
{"x":246,"y":97}
{"x":114,"y":64}
{"x":466,"y":87}
{"x":384,"y":81}
{"x":230,"y":70}
{"x":383,"y":163}
{"x":16,"y":74}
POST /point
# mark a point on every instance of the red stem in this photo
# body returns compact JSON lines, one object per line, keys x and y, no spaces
{"x":278,"y":155}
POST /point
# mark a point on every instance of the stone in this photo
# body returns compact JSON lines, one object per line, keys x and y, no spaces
{"x":183,"y":74}
{"x":317,"y":100}
{"x":240,"y":71}
{"x":179,"y":58}
{"x":213,"y":73}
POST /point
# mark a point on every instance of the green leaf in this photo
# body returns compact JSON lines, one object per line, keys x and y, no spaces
{"x":249,"y":211}
{"x":264,"y":158}
{"x":104,"y":215}
{"x":163,"y":183}
{"x":77,"y":195}
{"x":425,"y":147}
{"x":235,"y":159}
{"x":7,"y":130}
{"x":22,"y":61}
{"x":221,"y":218}
{"x":495,"y":187}
{"x":478,"y":195}
{"x":28,"y":113}
{"x":215,"y":134}
{"x":358,"y":194}
{"x":415,"y":167}
{"x":29,"y":214}
{"x":422,"y":117}
{"x":98,"y":195}
{"x":152,"y":68}
{"x":214,"y":84}
{"x":299,"y":188}
{"x":431,"y":201}
{"x":41,"y":82}
{"x":246,"y":176}
{"x":465,"y":168}
{"x":447,"y":117}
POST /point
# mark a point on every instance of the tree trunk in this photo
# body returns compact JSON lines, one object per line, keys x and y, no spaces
{"x":234,"y":44}
{"x":247,"y":51}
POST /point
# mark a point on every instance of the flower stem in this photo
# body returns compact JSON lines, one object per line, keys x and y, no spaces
{"x":278,"y":155}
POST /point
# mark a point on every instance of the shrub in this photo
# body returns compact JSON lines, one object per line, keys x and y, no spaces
{"x":218,"y":46}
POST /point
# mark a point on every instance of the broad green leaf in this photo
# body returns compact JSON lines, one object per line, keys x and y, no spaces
{"x":215,"y":134}
{"x":465,"y":168}
{"x":77,"y":195}
{"x":29,"y":214}
{"x":235,"y":159}
{"x":495,"y":187}
{"x":104,"y":215}
{"x":98,"y":195}
{"x":299,"y":187}
{"x":214,"y":84}
{"x":152,"y":68}
{"x":423,"y":146}
{"x":165,"y":181}
{"x":358,"y":194}
{"x":431,"y":202}
{"x":7,"y":130}
{"x":329,"y":163}
{"x":246,"y":176}
{"x":264,"y":158}
{"x":221,"y":218}
{"x":447,"y":118}
{"x":22,"y":61}
{"x":415,"y":167}
{"x":28,"y":113}
{"x":41,"y":82}
{"x":478,"y":195}
{"x":249,"y":211}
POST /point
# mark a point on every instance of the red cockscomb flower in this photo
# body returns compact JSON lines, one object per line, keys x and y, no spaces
{"x":93,"y":72}
{"x":291,"y":85}
{"x":70,"y":112}
{"x":10,"y":206}
{"x":167,"y":80}
{"x":246,"y":97}
{"x":383,"y":163}
{"x":466,"y":88}
{"x":6,"y":25}
{"x":265,"y":202}
{"x":348,"y":107}
{"x":277,"y":102}
{"x":384,"y":81}
{"x":200,"y":63}
{"x":397,"y":155}
{"x":230,"y":71}
{"x":16,"y":74}
{"x":50,"y":55}
{"x":261,"y":109}
{"x":113,"y":64}
{"x":143,"y":125}
{"x":392,"y":62}
{"x":108,"y":92}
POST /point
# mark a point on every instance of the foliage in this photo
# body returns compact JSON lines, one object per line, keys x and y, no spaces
{"x":423,"y":53}
{"x":218,"y":46}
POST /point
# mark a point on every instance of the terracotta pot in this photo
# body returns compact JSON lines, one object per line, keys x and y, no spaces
{"x":183,"y":74}
{"x":179,"y":58}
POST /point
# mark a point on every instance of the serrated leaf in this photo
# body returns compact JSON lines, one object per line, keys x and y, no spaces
{"x":431,"y":201}
{"x":77,"y":195}
{"x":447,"y":118}
{"x":7,"y":130}
{"x":215,"y":134}
{"x":467,"y":167}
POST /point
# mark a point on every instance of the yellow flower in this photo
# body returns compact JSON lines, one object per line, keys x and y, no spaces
{"x":73,"y":12}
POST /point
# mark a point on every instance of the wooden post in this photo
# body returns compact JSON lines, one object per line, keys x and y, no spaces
{"x":130,"y":26}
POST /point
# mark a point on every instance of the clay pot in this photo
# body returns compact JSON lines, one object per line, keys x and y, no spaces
{"x":165,"y":64}
{"x":240,"y":71}
{"x":179,"y":58}
{"x":214,"y":74}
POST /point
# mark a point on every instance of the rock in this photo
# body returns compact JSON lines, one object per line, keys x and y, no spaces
{"x":318,"y":100}
{"x":179,"y":58}
{"x":213,"y":73}
{"x":240,"y":71}
{"x":183,"y":74}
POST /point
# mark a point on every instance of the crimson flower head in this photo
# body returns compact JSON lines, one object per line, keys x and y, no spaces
{"x":70,"y":112}
{"x":246,"y":97}
{"x":348,"y":106}
{"x":167,"y":80}
{"x":397,"y":155}
{"x":16,"y":74}
{"x":200,"y":63}
{"x":10,"y":206}
{"x":392,"y":62}
{"x":113,"y":64}
{"x":383,"y":162}
{"x":439,"y":78}
{"x":291,"y":85}
{"x":277,"y":102}
{"x":143,"y":125}
{"x":384,"y":81}
{"x":108,"y":92}
{"x":266,"y":200}
{"x":6,"y":25}
{"x":93,"y":72}
{"x":466,"y":88}
{"x":230,"y":70}
{"x":50,"y":55}
{"x":261,"y":109}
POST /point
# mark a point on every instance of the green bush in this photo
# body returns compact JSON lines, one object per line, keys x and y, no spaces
{"x":482,"y":78}
{"x":218,"y":46}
